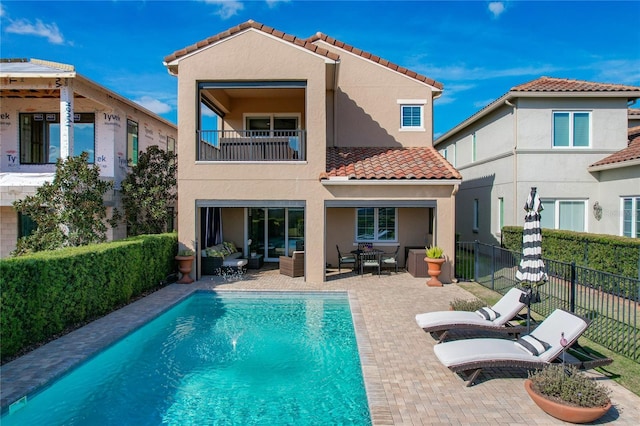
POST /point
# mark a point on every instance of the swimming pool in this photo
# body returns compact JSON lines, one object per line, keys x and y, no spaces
{"x":219,"y":358}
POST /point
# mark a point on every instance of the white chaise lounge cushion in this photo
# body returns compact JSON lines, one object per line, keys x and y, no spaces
{"x":460,"y":352}
{"x":507,"y":308}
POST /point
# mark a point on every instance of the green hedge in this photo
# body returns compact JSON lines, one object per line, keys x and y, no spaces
{"x":608,"y":253}
{"x":44,"y":293}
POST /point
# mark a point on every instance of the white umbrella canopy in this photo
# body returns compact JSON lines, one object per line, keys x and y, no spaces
{"x":531,"y":271}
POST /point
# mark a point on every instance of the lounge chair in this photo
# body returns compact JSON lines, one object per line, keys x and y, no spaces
{"x":532,"y":351}
{"x":505,"y":310}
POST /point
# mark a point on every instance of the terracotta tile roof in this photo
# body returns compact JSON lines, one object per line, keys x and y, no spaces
{"x":372,"y":163}
{"x":308,"y":43}
{"x":374,"y":58}
{"x":631,"y":152}
{"x":244,"y":26}
{"x":550,"y":84}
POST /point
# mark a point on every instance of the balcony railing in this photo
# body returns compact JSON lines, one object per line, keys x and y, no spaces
{"x":251,"y":145}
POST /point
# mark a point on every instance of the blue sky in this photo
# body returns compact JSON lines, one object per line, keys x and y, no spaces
{"x":477,"y":49}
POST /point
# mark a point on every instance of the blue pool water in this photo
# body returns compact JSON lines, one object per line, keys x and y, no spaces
{"x":219,"y":359}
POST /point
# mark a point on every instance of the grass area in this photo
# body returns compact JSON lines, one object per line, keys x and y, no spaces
{"x":623,"y":370}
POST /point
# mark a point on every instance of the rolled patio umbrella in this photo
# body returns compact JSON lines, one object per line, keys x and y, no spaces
{"x":531,"y":271}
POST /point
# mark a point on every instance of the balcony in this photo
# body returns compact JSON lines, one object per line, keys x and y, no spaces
{"x":251,"y":145}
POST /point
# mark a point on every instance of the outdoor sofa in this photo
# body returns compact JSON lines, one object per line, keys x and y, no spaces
{"x":223,"y":258}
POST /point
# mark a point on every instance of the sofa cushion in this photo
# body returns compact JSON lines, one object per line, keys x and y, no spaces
{"x":231,"y":256}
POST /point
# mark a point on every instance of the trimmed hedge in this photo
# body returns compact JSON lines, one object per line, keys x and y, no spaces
{"x":44,"y":293}
{"x":608,"y":253}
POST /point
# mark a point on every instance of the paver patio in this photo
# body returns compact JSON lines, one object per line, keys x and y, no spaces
{"x":406,"y":384}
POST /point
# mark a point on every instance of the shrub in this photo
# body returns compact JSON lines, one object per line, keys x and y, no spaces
{"x":564,"y":383}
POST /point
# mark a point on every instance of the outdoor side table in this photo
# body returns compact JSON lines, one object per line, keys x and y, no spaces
{"x":255,"y":262}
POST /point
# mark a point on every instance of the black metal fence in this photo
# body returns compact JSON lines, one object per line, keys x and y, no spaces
{"x":611,"y":302}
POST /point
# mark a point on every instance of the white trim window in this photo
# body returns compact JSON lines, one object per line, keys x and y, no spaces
{"x":412,"y":114}
{"x":571,"y":129}
{"x":569,"y":215}
{"x":630,"y":220}
{"x":272,"y":124}
{"x":376,"y":224}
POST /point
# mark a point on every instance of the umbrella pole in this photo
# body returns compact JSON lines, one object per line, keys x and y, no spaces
{"x":529,"y":296}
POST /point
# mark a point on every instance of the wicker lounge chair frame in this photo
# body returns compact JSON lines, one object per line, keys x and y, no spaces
{"x":509,"y":307}
{"x":473,"y":369}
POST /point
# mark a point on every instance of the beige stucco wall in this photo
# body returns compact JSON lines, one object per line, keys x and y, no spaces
{"x":254,"y":56}
{"x":367,"y":104}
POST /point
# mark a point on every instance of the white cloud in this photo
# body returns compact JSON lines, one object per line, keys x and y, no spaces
{"x":39,"y":29}
{"x":462,"y":73}
{"x":153,"y":105}
{"x":1,"y":11}
{"x":274,"y":3}
{"x":618,"y":71}
{"x":227,"y":8}
{"x":496,"y":8}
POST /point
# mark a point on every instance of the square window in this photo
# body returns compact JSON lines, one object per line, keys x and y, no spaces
{"x":411,"y":116}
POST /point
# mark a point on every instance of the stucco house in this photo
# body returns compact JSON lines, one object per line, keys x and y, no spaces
{"x":568,"y":138}
{"x":307,"y":142}
{"x":49,"y":111}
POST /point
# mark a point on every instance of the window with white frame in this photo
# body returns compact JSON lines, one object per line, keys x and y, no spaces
{"x":500,"y":214}
{"x":376,"y":224}
{"x":571,"y":129}
{"x":630,"y":225}
{"x":473,"y":146}
{"x":570,"y":215}
{"x":272,"y":125}
{"x":412,"y":114}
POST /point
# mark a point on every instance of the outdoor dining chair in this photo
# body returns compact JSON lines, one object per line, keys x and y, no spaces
{"x":370,"y":259}
{"x":390,"y":260}
{"x":345,"y":259}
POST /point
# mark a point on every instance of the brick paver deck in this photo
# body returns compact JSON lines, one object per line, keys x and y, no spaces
{"x":406,"y":384}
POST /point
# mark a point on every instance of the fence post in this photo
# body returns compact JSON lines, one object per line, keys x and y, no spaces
{"x":493,"y":266}
{"x":476,"y":260}
{"x":572,"y":295}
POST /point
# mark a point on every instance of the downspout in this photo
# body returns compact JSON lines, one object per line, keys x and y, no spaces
{"x":515,"y":160}
{"x":335,"y":102}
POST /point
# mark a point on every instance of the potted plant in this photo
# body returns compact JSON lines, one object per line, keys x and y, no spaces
{"x":185,"y":263}
{"x":564,"y":393}
{"x":435,"y":259}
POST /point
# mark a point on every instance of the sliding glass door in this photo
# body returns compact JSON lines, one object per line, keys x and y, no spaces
{"x":276,"y":232}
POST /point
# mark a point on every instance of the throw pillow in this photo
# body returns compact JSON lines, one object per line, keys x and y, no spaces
{"x":231,"y":247}
{"x":211,"y":252}
{"x":532,"y":345}
{"x":487,"y":313}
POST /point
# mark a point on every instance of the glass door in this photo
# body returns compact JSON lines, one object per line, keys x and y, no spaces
{"x":276,"y":232}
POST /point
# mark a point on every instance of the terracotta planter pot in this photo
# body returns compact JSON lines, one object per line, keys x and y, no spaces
{"x":568,"y":413}
{"x":185,"y":264}
{"x":435,"y":269}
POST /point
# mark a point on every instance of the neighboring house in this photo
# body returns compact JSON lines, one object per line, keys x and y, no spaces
{"x":634,"y":117}
{"x":553,"y":134}
{"x":307,"y":142}
{"x":48,"y":111}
